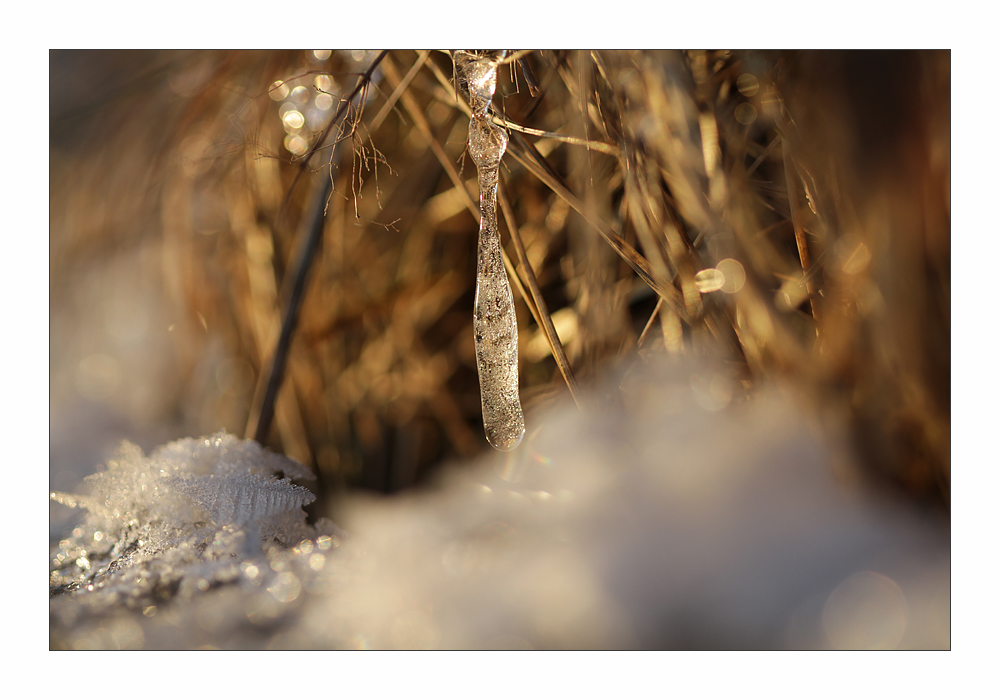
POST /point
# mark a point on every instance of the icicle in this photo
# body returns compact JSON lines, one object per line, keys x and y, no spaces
{"x":494,"y":320}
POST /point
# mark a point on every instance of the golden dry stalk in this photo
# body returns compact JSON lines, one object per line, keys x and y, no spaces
{"x":787,"y":214}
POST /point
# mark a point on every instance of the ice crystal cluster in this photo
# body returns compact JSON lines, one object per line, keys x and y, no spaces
{"x":193,"y":515}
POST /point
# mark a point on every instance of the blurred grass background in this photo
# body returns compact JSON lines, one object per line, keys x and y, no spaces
{"x":791,"y":210}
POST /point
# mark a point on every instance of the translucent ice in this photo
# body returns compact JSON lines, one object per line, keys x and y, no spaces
{"x":494,"y":320}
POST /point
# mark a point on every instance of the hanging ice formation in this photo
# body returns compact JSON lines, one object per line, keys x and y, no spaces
{"x":494,"y":321}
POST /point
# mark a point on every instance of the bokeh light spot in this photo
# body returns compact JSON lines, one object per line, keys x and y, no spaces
{"x":324,"y":101}
{"x":746,"y":113}
{"x":747,"y":84}
{"x":293,"y":120}
{"x":323,"y":83}
{"x":710,"y":280}
{"x":735,"y":275}
{"x":858,"y":260}
{"x":286,"y":587}
{"x":867,"y":611}
{"x":279,"y":91}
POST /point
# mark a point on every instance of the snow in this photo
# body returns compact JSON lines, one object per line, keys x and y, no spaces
{"x":664,"y":521}
{"x":192,"y":516}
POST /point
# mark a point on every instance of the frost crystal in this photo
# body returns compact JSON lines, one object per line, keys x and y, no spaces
{"x":231,"y":481}
{"x":194,"y":515}
{"x":223,"y":454}
{"x":242,"y":500}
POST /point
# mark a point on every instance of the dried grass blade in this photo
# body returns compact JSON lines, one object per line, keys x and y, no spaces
{"x":400,"y":87}
{"x":542,"y":313}
{"x":796,"y":214}
{"x":527,"y":156}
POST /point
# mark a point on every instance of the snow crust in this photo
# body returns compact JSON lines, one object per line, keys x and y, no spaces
{"x":188,"y":518}
{"x":677,"y":517}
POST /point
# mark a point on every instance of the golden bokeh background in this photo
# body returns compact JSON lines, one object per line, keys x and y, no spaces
{"x":791,"y":210}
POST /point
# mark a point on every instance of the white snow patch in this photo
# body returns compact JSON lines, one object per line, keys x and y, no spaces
{"x":652,"y":520}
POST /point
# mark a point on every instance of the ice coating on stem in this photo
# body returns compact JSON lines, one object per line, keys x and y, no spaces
{"x":494,"y":320}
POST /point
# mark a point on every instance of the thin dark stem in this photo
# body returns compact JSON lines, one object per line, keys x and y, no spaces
{"x":262,"y":412}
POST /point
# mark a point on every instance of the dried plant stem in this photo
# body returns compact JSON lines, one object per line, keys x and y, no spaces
{"x":515,"y":278}
{"x":416,"y":114}
{"x":320,"y":143}
{"x":800,"y":235}
{"x":763,"y":156}
{"x":269,"y":382}
{"x":636,"y":207}
{"x":262,"y":409}
{"x":532,"y":300}
{"x":572,"y":140}
{"x":401,"y":86}
{"x":649,"y":323}
{"x":600,"y":146}
{"x":542,"y":314}
{"x":522,"y":152}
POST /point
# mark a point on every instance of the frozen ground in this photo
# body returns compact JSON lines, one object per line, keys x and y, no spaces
{"x":677,"y":519}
